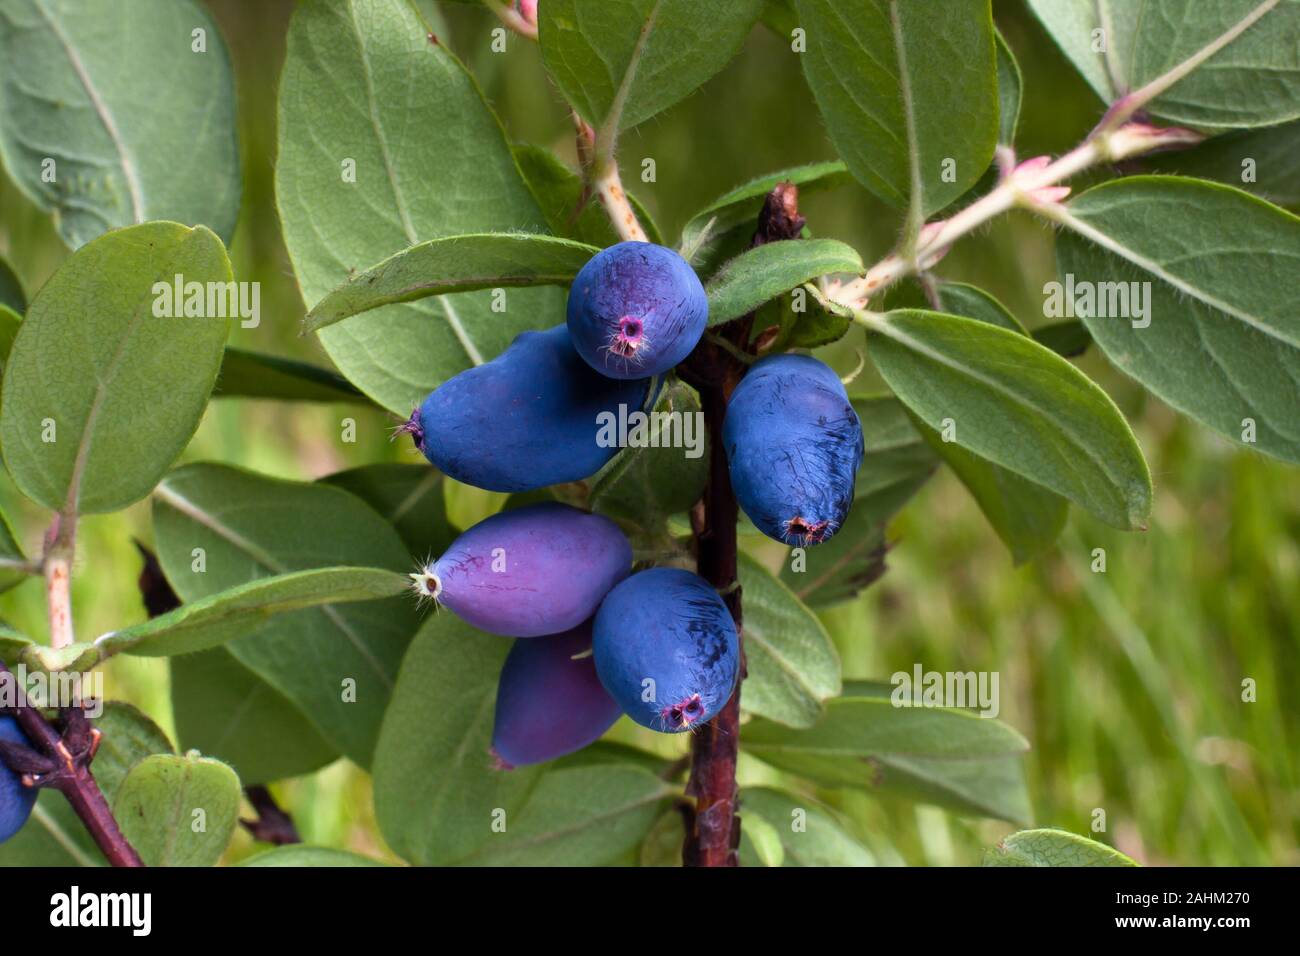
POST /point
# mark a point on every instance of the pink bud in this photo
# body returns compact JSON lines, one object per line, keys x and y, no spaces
{"x":528,"y":10}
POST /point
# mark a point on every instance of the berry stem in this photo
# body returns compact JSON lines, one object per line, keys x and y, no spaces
{"x":714,"y":369}
{"x":71,"y":775}
{"x":60,"y":548}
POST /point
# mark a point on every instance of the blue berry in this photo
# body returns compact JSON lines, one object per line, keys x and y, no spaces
{"x":16,"y":800}
{"x":794,"y":444}
{"x":530,"y":571}
{"x":636,"y":309}
{"x":548,"y":703}
{"x":666,"y":649}
{"x":525,"y":420}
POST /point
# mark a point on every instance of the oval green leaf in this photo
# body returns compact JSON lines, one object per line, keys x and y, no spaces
{"x":237,"y":611}
{"x":219,"y":528}
{"x":1017,"y":404}
{"x":365,"y":92}
{"x":178,"y":811}
{"x":112,"y":115}
{"x":793,"y":665}
{"x":100,"y":393}
{"x":1053,"y":848}
{"x":621,"y":63}
{"x":454,"y":264}
{"x":889,"y":77}
{"x":1219,"y":339}
{"x":744,"y":283}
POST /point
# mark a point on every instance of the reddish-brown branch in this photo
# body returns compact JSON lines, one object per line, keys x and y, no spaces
{"x":67,"y":769}
{"x":713,"y":829}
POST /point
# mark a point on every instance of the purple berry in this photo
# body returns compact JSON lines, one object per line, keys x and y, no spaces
{"x":636,"y":309}
{"x":16,"y":800}
{"x":527,"y":419}
{"x":666,"y":649}
{"x":531,"y":571}
{"x":548,"y":703}
{"x":794,"y":444}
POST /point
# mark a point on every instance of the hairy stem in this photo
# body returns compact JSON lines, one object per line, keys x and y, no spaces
{"x":60,"y":549}
{"x":1115,"y":138}
{"x":609,"y":187}
{"x":512,"y":18}
{"x":70,"y":773}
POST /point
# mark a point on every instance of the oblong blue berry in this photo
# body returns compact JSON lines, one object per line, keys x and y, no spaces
{"x":16,"y":800}
{"x":794,"y":445}
{"x":666,"y":649}
{"x":636,"y":309}
{"x":548,"y":703}
{"x":527,"y":419}
{"x":530,"y":571}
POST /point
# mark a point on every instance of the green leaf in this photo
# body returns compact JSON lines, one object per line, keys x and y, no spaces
{"x":646,"y":485}
{"x":765,"y":272}
{"x":14,"y":566}
{"x":409,"y":497}
{"x":1017,"y":404}
{"x":242,"y":609}
{"x":793,"y":665}
{"x":10,"y":322}
{"x":178,"y":811}
{"x":13,"y":645}
{"x":223,"y":708}
{"x":1067,"y":339}
{"x":338,"y":664}
{"x":763,"y":839}
{"x":809,"y":832}
{"x":454,"y":264}
{"x":1053,"y":848}
{"x":363,"y":84}
{"x":621,"y":63}
{"x":120,"y":390}
{"x":1010,"y":85}
{"x":889,"y":77}
{"x":863,"y":727}
{"x":1144,"y":41}
{"x":253,"y":375}
{"x":896,"y":462}
{"x":579,"y":816}
{"x":739,"y":208}
{"x":990,"y":786}
{"x":84,"y":88}
{"x":1025,"y":515}
{"x":11,"y":290}
{"x":972,"y":302}
{"x":435,"y":786}
{"x":558,"y":190}
{"x":297,"y":855}
{"x":1220,"y":339}
{"x":1265,"y":162}
{"x":128,"y":737}
{"x":53,"y":836}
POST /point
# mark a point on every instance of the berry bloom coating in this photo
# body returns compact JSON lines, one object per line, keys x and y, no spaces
{"x":16,"y":801}
{"x":794,"y":444}
{"x":524,"y":420}
{"x":666,"y":649}
{"x":531,"y":571}
{"x":549,"y":704}
{"x":636,"y":309}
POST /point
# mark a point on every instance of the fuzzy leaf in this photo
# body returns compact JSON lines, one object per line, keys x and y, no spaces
{"x":767,"y":271}
{"x":178,"y":811}
{"x":1053,"y":848}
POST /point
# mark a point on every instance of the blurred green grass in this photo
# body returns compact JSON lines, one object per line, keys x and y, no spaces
{"x":1127,"y":683}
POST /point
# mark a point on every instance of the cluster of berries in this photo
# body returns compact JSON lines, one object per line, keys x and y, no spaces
{"x":597,"y":640}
